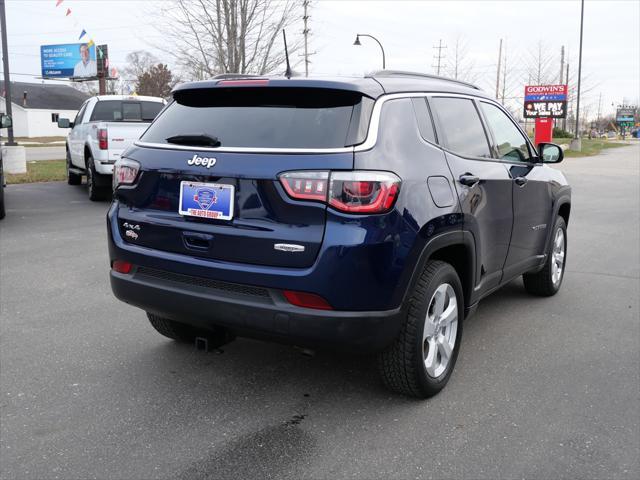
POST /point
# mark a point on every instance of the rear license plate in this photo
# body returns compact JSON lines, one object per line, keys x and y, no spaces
{"x":206,"y":200}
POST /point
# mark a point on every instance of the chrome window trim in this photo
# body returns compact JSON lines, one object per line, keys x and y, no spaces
{"x":370,"y":140}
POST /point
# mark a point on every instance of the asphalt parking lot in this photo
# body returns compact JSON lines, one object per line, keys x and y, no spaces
{"x":543,"y":388}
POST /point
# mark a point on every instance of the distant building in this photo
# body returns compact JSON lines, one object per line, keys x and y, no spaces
{"x":37,"y":106}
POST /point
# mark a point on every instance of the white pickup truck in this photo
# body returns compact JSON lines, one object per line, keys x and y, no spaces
{"x":104,"y":127}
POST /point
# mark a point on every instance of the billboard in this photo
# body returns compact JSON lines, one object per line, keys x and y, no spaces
{"x":545,"y":101}
{"x":69,"y":60}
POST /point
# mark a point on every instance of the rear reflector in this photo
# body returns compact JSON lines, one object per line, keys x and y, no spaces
{"x":306,"y":300}
{"x":121,"y":266}
{"x":243,"y":83}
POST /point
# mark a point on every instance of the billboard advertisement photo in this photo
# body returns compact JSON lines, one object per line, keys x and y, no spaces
{"x":71,"y":60}
{"x":545,"y":101}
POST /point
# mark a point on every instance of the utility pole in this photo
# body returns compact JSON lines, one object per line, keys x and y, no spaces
{"x":561,"y":64}
{"x":564,"y":120}
{"x":5,"y":66}
{"x":599,"y":109}
{"x":504,"y":73}
{"x":305,"y":32}
{"x":439,"y":56}
{"x":577,"y":145}
{"x":498,"y":75}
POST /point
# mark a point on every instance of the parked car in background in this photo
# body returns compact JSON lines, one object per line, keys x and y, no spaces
{"x":104,"y":127}
{"x":5,"y":122}
{"x":370,"y":213}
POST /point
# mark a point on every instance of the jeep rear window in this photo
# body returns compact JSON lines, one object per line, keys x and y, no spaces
{"x":125,"y":111}
{"x":264,"y":117}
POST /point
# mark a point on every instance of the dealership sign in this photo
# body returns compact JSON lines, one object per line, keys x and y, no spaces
{"x":625,"y":113}
{"x":545,"y":101}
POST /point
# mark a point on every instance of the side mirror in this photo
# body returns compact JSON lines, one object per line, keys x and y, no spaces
{"x":550,"y":153}
{"x":64,"y":123}
{"x":5,"y":121}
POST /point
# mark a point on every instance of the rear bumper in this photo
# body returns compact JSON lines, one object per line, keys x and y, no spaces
{"x":104,"y":167}
{"x":253,"y":311}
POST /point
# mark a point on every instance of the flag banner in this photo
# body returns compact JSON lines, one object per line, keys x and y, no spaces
{"x":68,"y":12}
{"x":59,"y":2}
{"x":91,"y":43}
{"x":84,"y":32}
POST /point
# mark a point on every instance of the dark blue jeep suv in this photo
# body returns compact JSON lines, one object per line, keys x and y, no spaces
{"x":366,"y":213}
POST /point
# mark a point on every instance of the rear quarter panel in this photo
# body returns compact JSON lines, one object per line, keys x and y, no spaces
{"x":401,"y":149}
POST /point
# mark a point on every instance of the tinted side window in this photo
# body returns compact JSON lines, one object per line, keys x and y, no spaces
{"x":425,"y":124}
{"x":461,"y":126}
{"x":80,"y":114}
{"x":510,"y":143}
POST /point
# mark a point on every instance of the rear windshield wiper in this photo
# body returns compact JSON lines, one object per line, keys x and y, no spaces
{"x":200,"y":140}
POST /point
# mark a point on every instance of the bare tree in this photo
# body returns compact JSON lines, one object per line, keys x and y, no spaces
{"x":138,"y":62}
{"x":207,"y":37}
{"x":541,"y":65}
{"x":459,"y":66}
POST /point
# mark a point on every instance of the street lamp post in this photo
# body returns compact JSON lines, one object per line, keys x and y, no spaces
{"x":357,"y":42}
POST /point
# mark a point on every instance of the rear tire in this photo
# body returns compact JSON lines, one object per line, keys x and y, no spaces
{"x":96,"y":192}
{"x":420,"y":361}
{"x":72,"y":178}
{"x":547,"y":281}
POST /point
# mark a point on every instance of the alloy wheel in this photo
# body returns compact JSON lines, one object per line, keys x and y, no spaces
{"x":557,"y":256}
{"x":440,"y":330}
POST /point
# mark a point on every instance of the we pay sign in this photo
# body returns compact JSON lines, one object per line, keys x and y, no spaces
{"x":545,"y":109}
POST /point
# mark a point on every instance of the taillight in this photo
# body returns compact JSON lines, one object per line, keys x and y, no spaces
{"x":363,"y":192}
{"x":103,"y":139}
{"x":353,"y":192}
{"x":125,"y":172}
{"x":306,"y":185}
{"x":306,"y":300}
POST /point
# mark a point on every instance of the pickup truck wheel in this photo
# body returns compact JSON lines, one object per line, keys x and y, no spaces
{"x":171,"y":329}
{"x":421,"y":359}
{"x":547,"y":281}
{"x":72,"y":178}
{"x":96,"y":192}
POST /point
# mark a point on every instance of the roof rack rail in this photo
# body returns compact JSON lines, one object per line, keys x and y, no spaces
{"x":402,"y":73}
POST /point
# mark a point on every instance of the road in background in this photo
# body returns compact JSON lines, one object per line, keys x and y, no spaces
{"x":543,"y":388}
{"x":45,"y":153}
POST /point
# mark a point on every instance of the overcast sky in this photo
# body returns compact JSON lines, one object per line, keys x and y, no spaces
{"x":408,"y":31}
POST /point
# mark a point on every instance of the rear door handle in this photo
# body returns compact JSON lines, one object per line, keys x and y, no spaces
{"x":521,"y":181}
{"x":469,"y":179}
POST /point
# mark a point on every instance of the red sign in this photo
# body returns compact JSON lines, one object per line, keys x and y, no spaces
{"x":544,"y":130}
